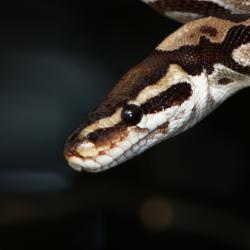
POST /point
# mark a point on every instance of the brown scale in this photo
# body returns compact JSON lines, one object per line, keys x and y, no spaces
{"x":211,"y":31}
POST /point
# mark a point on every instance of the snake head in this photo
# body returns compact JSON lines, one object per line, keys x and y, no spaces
{"x":141,"y":110}
{"x":188,"y":75}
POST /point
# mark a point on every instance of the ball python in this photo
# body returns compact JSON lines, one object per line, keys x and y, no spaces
{"x":186,"y":77}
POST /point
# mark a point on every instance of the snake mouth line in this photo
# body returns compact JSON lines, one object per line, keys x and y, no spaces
{"x":76,"y":160}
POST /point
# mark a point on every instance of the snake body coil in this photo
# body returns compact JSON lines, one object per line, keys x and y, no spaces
{"x":185,"y":78}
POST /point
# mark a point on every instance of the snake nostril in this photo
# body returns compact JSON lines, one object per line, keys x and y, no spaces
{"x":71,"y":144}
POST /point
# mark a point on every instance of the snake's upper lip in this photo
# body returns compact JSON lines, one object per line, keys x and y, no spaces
{"x":69,"y":154}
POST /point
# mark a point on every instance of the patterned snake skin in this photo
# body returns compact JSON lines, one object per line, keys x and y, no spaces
{"x":185,"y":78}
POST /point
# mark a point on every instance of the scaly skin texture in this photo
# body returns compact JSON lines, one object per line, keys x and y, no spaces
{"x":185,"y":78}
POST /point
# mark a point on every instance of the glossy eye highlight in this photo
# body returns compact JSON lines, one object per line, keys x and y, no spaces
{"x":131,"y":114}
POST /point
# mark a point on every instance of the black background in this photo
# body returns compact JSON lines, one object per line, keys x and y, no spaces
{"x":58,"y":61}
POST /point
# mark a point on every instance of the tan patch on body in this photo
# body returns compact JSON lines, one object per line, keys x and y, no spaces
{"x":241,"y":55}
{"x":239,"y":4}
{"x":190,"y":33}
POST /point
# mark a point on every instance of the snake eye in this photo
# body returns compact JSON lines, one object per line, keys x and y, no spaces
{"x":131,"y":114}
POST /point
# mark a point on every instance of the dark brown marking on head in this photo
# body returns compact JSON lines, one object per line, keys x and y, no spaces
{"x":211,"y":31}
{"x":194,"y":59}
{"x":175,"y":95}
{"x":203,"y":8}
{"x":225,"y":81}
{"x":111,"y":133}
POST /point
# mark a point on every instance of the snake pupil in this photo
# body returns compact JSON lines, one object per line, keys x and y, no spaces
{"x":131,"y":114}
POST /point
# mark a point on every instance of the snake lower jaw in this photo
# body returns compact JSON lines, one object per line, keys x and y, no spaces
{"x":81,"y":158}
